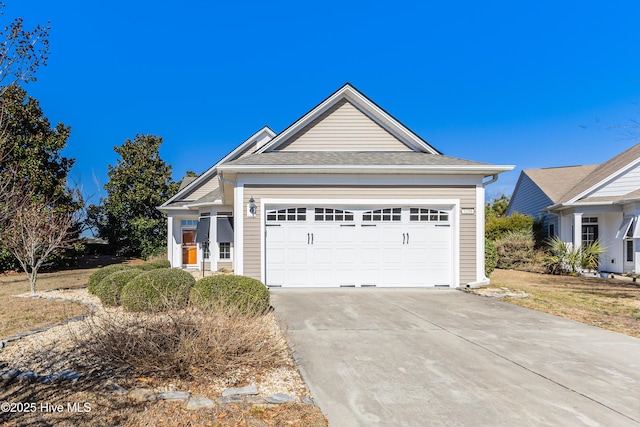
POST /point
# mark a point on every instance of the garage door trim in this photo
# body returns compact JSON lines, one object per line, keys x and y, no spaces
{"x":453,"y":204}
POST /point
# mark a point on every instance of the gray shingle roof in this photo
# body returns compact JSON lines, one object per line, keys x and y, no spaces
{"x":354,"y":158}
{"x":186,"y":181}
{"x":555,"y":182}
{"x":603,"y":171}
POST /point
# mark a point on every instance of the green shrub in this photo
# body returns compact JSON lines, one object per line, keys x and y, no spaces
{"x":152,"y":265}
{"x":497,"y":227}
{"x":563,"y":257}
{"x":109,"y":288}
{"x":157,"y":290}
{"x":490,"y":257}
{"x":103,"y":272}
{"x":249,"y":295}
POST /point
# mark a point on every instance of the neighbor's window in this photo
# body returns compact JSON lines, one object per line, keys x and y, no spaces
{"x":629,"y":251}
{"x":552,"y":230}
{"x":225,"y":250}
{"x":629,"y":241}
{"x":589,"y":230}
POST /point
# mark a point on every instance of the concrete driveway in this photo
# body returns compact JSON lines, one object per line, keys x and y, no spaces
{"x":407,"y":357}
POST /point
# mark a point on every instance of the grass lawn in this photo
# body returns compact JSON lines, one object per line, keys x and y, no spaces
{"x":607,"y":303}
{"x":23,"y":314}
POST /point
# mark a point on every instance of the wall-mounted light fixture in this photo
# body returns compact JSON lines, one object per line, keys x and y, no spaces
{"x":252,"y":207}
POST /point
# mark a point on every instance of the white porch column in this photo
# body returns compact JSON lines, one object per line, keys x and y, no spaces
{"x":238,"y":215}
{"x":213,"y":241}
{"x":170,"y":239}
{"x":636,"y":244}
{"x":577,"y":229}
{"x":480,"y":255}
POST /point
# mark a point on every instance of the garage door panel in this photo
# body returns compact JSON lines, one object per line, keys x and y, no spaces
{"x":296,"y":276}
{"x":382,"y":251}
{"x":322,"y":255}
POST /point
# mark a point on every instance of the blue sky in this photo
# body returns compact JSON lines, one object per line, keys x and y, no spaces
{"x":532,"y":84}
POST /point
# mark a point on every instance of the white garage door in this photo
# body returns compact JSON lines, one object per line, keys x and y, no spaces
{"x":331,"y":246}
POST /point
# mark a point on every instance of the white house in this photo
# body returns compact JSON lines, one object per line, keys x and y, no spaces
{"x":345,"y":196}
{"x":583,"y":203}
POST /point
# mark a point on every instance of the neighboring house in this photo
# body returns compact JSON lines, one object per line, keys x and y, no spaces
{"x":345,"y":196}
{"x":583,"y":203}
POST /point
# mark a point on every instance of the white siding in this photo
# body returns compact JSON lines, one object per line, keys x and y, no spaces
{"x":621,"y":185}
{"x":344,"y":128}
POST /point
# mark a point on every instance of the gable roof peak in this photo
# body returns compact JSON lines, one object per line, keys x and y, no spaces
{"x":364,"y":105}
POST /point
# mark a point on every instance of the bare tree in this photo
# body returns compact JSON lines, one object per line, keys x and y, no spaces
{"x":35,"y":230}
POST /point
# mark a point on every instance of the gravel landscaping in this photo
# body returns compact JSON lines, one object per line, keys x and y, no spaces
{"x":51,"y":357}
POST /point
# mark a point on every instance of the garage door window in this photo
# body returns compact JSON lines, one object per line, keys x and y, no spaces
{"x":386,"y":214}
{"x":431,"y":215}
{"x":335,"y":215}
{"x":287,"y":214}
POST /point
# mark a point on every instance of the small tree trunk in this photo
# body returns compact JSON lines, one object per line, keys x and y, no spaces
{"x":32,"y":281}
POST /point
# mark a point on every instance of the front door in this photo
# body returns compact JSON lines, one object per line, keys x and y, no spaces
{"x":189,"y":247}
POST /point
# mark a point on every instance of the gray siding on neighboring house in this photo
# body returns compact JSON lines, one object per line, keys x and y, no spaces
{"x":466,"y":194}
{"x":343,"y":128}
{"x":528,"y":198}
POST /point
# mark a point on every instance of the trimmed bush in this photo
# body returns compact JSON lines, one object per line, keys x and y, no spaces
{"x":152,"y":265}
{"x":103,"y":272}
{"x":109,"y":289}
{"x":248,"y":295}
{"x":157,"y":290}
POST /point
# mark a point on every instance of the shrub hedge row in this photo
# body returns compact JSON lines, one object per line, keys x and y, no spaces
{"x":153,"y":287}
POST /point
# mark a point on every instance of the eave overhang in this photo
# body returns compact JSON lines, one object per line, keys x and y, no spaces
{"x":486,"y":170}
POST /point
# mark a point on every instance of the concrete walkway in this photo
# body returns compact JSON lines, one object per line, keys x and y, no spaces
{"x":435,"y":357}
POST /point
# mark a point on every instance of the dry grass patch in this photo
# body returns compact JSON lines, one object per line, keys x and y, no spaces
{"x":606,"y":303}
{"x":23,"y":314}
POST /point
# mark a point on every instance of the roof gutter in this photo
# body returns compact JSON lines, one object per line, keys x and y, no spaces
{"x":493,"y":179}
{"x":447,"y":169}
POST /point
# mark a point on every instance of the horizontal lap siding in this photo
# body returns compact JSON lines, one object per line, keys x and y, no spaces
{"x":529,"y":199}
{"x":344,"y":128}
{"x":226,"y":264}
{"x":466,"y":194}
{"x":204,"y":189}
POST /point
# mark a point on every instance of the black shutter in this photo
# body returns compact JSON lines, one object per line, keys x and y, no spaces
{"x":202,"y":231}
{"x":225,"y":229}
